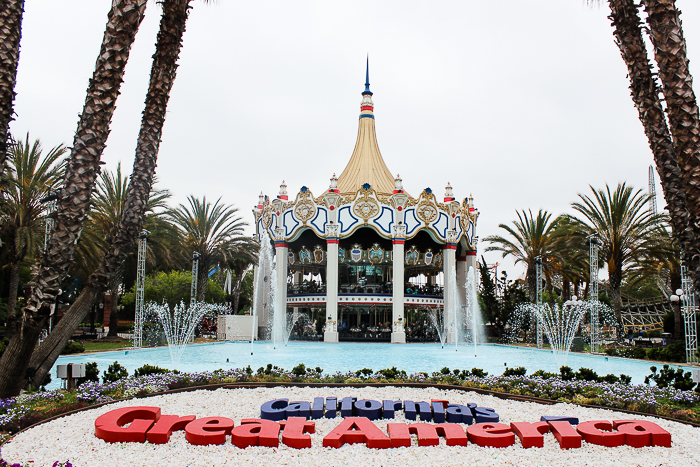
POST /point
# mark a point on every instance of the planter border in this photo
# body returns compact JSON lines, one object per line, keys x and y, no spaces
{"x":254,"y":385}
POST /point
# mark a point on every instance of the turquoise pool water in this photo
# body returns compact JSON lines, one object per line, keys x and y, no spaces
{"x":413,"y":358}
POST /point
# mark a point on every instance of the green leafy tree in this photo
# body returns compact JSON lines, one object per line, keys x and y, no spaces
{"x":624,"y":225}
{"x":214,"y":231}
{"x":22,"y":213}
{"x":530,"y":237}
{"x":74,"y":198}
{"x":172,"y":288}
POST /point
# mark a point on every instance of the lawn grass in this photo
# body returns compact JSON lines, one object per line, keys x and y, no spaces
{"x":103,"y":346}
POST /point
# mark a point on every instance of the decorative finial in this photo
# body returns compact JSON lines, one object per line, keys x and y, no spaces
{"x":261,"y":200}
{"x":398,"y":184}
{"x":367,"y":91}
{"x":449,"y":196}
{"x":283,"y":192}
{"x":333,"y":188}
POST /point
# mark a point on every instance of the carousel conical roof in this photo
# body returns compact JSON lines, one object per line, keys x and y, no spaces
{"x":366,"y":164}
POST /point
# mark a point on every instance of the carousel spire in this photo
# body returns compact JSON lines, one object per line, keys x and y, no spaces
{"x":366,"y":165}
{"x":367,"y":91}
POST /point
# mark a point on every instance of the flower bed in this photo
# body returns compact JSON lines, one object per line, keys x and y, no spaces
{"x":72,"y":438}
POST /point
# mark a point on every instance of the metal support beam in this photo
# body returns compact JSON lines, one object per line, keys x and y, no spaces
{"x":140,"y":281}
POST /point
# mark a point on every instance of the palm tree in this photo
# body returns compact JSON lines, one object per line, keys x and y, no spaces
{"x":123,"y":21}
{"x":22,"y":213}
{"x":675,"y":149}
{"x":531,"y":237}
{"x":661,"y":261}
{"x":10,"y":33}
{"x":239,"y":263}
{"x":212,"y":230}
{"x":624,"y":225}
{"x":570,"y":255}
{"x":109,"y":203}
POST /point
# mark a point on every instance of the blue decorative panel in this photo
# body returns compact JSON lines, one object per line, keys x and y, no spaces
{"x":290,"y":223}
{"x":458,"y":226}
{"x":346,"y":219}
{"x":441,"y":225}
{"x":411,"y":222}
{"x":385,"y":220}
{"x":320,"y":220}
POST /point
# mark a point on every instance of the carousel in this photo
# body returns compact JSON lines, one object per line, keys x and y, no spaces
{"x":365,"y":260}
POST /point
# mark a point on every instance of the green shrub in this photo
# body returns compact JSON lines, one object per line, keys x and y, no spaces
{"x":150,"y":370}
{"x":519,"y":371}
{"x":586,"y":374}
{"x":114,"y":373}
{"x":92,"y":373}
{"x":479,"y":373}
{"x":73,"y":347}
{"x":366,"y":372}
{"x":566,"y":373}
{"x":667,"y":377}
{"x":544,"y":374}
{"x":393,"y":373}
{"x":639,"y":353}
{"x":299,"y":370}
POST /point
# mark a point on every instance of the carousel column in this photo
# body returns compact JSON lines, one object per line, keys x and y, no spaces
{"x":398,"y":334}
{"x":471,"y":260}
{"x":281,"y":263}
{"x":331,"y":331}
{"x":451,"y":302}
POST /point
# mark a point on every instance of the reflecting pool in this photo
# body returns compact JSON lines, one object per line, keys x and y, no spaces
{"x":343,"y":357}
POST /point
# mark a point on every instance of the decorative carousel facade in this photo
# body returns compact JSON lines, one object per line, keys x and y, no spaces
{"x":364,"y":256}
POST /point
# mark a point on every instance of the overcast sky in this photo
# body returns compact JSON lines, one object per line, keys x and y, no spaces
{"x":521,"y":103}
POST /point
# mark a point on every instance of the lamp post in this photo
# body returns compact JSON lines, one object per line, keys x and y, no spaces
{"x":686,"y":296}
{"x":140,"y":288}
{"x":593,"y":246}
{"x":538,"y":275}
{"x":195,"y":275}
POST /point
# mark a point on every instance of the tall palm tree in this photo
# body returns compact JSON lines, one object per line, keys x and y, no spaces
{"x":10,"y":34}
{"x":570,"y":255}
{"x":123,"y":21}
{"x":22,"y":214}
{"x":531,"y":237}
{"x":675,"y":148}
{"x":624,"y":225}
{"x":212,"y":230}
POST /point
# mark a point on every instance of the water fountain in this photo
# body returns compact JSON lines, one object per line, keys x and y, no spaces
{"x":180,"y":323}
{"x":472,"y":316}
{"x":560,"y":323}
{"x":438,"y":321}
{"x":462,"y":324}
{"x":263,"y":295}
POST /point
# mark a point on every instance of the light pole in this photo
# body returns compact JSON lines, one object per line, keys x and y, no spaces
{"x":593,"y":246}
{"x":195,"y":274}
{"x":140,"y":288}
{"x":686,"y":295}
{"x":538,"y":275}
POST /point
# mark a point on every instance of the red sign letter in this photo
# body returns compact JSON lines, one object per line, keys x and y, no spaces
{"x":110,"y":426}
{"x":497,"y":435}
{"x":208,"y":430}
{"x":357,"y":430}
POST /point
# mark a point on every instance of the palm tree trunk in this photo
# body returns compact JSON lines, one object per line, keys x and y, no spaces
{"x":531,"y":278}
{"x":163,"y":70}
{"x":74,"y":198}
{"x":237,"y":296}
{"x":676,"y":282}
{"x":666,"y":34}
{"x":615,"y":276}
{"x":645,"y":94}
{"x":12,"y":300}
{"x":10,"y":33}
